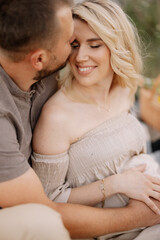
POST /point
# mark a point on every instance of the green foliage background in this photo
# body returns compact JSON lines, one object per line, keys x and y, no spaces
{"x":146,"y":16}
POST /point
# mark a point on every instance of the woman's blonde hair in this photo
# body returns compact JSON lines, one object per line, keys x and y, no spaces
{"x":119,"y":34}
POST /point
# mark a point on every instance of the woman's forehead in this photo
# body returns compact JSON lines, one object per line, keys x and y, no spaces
{"x":83,"y":30}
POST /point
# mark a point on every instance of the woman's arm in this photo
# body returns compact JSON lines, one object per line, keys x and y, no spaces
{"x":133,"y":183}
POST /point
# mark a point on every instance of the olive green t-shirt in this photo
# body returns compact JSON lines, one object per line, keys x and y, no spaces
{"x":19,"y":111}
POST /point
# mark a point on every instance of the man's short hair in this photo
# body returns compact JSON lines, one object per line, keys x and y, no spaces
{"x":27,"y":23}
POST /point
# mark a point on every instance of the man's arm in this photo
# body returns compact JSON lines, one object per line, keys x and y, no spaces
{"x":96,"y":222}
{"x":81,"y":221}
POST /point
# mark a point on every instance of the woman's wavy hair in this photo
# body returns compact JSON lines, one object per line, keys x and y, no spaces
{"x":119,"y":34}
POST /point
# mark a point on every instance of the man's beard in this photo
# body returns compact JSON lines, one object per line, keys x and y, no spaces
{"x":45,"y":72}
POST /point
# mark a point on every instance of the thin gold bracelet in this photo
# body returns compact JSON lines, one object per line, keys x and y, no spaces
{"x":102,"y":187}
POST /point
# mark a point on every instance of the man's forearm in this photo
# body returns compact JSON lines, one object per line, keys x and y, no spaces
{"x":81,"y":221}
{"x":88,"y":222}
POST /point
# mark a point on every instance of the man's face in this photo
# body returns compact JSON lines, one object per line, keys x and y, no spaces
{"x":62,"y":48}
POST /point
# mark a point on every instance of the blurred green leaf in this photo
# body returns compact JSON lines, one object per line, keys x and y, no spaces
{"x":146,"y":16}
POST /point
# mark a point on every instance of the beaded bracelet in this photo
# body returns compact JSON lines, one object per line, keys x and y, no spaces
{"x":102,"y":187}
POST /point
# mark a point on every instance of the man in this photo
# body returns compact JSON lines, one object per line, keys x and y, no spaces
{"x":35,"y":38}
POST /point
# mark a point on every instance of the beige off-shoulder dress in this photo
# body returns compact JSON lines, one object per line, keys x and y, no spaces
{"x":110,"y":148}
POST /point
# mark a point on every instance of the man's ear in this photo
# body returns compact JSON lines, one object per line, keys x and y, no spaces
{"x":39,"y":58}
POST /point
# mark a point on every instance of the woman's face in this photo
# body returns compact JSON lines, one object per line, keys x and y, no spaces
{"x":90,"y":58}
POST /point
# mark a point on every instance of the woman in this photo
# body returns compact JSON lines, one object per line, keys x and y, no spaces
{"x":86,"y":138}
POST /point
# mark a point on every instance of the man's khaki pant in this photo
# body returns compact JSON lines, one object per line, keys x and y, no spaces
{"x":31,"y":222}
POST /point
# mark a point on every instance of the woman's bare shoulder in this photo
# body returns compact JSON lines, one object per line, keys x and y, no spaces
{"x":51,"y":134}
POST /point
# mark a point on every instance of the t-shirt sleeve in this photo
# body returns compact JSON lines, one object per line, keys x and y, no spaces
{"x":52,"y":171}
{"x":12,"y":162}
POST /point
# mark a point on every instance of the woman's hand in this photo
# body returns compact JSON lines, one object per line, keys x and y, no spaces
{"x":137,"y":185}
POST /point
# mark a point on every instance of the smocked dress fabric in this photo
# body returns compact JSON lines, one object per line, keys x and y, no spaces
{"x":110,"y":148}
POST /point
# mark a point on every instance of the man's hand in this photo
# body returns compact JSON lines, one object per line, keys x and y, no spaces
{"x":145,"y":216}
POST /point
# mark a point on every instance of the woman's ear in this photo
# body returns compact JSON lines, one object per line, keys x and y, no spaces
{"x":39,"y":59}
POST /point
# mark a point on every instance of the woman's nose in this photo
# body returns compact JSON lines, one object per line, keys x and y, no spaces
{"x":82,"y":54}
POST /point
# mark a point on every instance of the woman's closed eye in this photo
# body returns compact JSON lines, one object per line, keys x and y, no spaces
{"x":74,"y":44}
{"x":95,"y":46}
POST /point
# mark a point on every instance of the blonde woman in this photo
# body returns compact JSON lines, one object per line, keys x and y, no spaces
{"x":86,"y":137}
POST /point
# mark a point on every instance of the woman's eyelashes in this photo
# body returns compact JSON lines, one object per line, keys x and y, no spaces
{"x":95,"y":46}
{"x":75,"y":45}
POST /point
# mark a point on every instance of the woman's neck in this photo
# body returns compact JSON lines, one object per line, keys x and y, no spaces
{"x":97,"y":94}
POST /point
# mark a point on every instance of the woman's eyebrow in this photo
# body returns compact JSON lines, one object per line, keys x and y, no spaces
{"x":89,"y":40}
{"x":94,"y":39}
